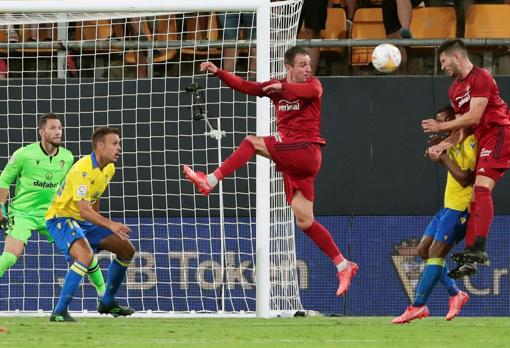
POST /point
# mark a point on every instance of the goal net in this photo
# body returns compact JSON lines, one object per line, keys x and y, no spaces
{"x":139,"y":71}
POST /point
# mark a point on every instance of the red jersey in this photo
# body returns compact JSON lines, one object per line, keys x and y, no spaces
{"x":479,"y":83}
{"x":298,"y":106}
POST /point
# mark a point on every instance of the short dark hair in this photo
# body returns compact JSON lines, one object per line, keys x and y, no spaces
{"x":292,"y":52}
{"x":45,"y":117}
{"x":448,"y":110}
{"x":101,"y":132}
{"x":452,"y":45}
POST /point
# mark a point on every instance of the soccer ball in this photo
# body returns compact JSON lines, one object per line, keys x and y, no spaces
{"x":386,"y":58}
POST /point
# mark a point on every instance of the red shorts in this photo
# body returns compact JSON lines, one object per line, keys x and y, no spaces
{"x":299,"y":161}
{"x":494,"y":152}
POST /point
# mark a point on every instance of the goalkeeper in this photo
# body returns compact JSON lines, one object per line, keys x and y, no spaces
{"x":38,"y":170}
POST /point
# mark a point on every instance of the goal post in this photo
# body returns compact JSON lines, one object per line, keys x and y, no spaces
{"x":233,"y":251}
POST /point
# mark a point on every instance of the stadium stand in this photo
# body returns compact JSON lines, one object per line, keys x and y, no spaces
{"x":488,"y":21}
{"x":336,"y":28}
{"x":201,"y":27}
{"x":367,"y":24}
{"x":165,"y":29}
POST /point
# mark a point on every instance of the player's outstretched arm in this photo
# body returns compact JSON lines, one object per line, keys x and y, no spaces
{"x":477,"y":107}
{"x":89,"y":214}
{"x":455,"y":137}
{"x":233,"y":81}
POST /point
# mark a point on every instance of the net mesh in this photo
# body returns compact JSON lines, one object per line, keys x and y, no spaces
{"x":139,"y":72}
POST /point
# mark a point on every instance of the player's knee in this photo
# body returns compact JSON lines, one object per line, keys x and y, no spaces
{"x":252,"y":139}
{"x":127,"y":252}
{"x":85,"y":258}
{"x":304,"y":222}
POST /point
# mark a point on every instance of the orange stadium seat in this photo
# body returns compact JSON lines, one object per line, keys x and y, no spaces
{"x":367,"y":24}
{"x":201,"y":27}
{"x":488,"y":21}
{"x":434,"y":23}
{"x":336,"y":28}
{"x":131,"y":56}
{"x":3,"y":38}
{"x":93,"y":30}
{"x":44,"y":34}
{"x":165,"y":29}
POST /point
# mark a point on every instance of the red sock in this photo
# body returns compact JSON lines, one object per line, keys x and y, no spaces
{"x":484,"y":211}
{"x":239,"y":158}
{"x":322,"y":238}
{"x":471,"y":227}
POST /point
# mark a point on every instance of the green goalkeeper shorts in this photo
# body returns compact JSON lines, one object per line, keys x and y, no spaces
{"x":21,"y":227}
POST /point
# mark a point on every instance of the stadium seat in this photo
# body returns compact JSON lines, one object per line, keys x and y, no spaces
{"x":201,"y":27}
{"x":44,"y":34}
{"x":131,"y":56}
{"x":434,"y":23}
{"x":488,"y":21}
{"x":165,"y":29}
{"x":367,"y":24}
{"x":93,"y":30}
{"x":336,"y":28}
{"x":3,"y":38}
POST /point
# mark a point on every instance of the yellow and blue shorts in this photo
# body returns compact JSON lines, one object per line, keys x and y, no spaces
{"x":65,"y":231}
{"x":448,"y":226}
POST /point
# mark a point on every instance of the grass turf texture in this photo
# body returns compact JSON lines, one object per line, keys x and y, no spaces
{"x":231,"y":332}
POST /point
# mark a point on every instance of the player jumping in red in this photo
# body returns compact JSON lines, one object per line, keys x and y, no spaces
{"x":475,"y":97}
{"x":296,"y":149}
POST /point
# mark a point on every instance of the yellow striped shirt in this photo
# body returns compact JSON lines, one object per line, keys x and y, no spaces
{"x":464,"y":155}
{"x":84,"y":181}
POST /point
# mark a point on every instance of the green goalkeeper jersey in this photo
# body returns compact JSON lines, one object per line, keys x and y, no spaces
{"x":37,"y":176}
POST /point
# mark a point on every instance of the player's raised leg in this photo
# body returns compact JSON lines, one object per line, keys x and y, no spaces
{"x":250,"y":146}
{"x":303,"y":210}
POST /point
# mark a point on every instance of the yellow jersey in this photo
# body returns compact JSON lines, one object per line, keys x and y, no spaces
{"x":84,"y":181}
{"x":464,"y":155}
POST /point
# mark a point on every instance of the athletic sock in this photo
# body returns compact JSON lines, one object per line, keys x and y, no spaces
{"x":7,"y":260}
{"x":96,"y":277}
{"x":471,"y":226}
{"x":429,"y":278}
{"x":484,"y":211}
{"x":322,"y":238}
{"x":237,"y":159}
{"x":449,"y":283}
{"x":71,"y":283}
{"x":116,"y":274}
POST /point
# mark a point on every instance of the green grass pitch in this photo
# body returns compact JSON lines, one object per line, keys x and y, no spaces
{"x":232,"y":332}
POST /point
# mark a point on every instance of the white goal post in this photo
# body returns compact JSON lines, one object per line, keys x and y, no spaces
{"x":194,"y":254}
